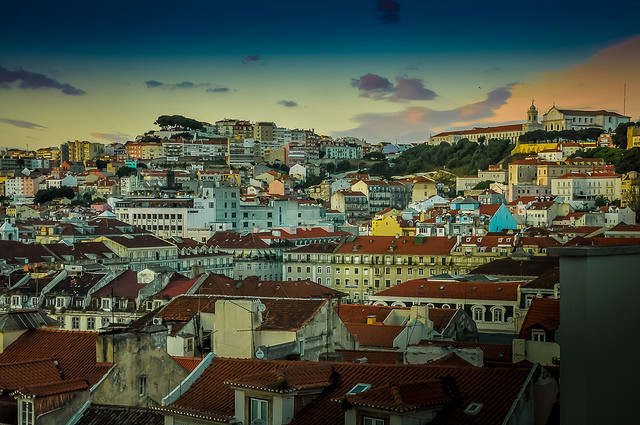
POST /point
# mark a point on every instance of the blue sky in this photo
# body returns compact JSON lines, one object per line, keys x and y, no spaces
{"x":381,"y":70}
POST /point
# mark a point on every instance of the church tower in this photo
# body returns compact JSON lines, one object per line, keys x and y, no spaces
{"x":532,"y":119}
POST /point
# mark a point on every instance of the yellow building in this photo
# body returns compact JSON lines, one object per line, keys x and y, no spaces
{"x":633,"y":137}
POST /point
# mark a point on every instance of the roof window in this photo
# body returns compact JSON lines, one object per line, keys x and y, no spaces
{"x":473,"y":409}
{"x":359,"y":388}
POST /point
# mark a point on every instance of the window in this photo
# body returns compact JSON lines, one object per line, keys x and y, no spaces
{"x":478,"y":313}
{"x":142,"y":385}
{"x":106,"y":303}
{"x":75,"y":323}
{"x":319,"y":269}
{"x":328,"y":270}
{"x":445,"y":306}
{"x":59,"y":302}
{"x":538,"y":335}
{"x":91,"y":323}
{"x":189,"y":344}
{"x":368,"y":420}
{"x":259,"y":409}
{"x":498,"y":314}
{"x":104,"y":321}
{"x":26,"y":413}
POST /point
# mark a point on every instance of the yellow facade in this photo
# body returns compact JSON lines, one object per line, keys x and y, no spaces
{"x":633,"y":137}
{"x":526,"y":147}
{"x":385,"y":226}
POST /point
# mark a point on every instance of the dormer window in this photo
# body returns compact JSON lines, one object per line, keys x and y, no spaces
{"x":259,"y":410}
{"x":368,"y":420}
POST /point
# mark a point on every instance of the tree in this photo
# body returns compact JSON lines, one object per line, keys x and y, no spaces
{"x":42,"y":197}
{"x":375,"y":156}
{"x":485,"y":184}
{"x":629,"y":161}
{"x":620,"y":136}
{"x":101,"y":164}
{"x":344,"y":165}
{"x":177,"y":122}
{"x":125,"y":172}
{"x":633,"y":201}
{"x":601,"y":201}
{"x":381,"y":169}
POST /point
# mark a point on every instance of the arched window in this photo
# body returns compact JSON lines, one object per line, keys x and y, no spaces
{"x":446,"y":306}
{"x":497,"y":314}
{"x":477,"y":312}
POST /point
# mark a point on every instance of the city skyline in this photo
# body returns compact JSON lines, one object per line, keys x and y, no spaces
{"x":375,"y":70}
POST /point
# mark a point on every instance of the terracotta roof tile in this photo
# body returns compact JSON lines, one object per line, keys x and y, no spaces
{"x":358,"y":313}
{"x":53,"y":388}
{"x":189,"y":363}
{"x":427,"y":289}
{"x":398,"y":246}
{"x":80,"y":362}
{"x":30,"y":372}
{"x":544,"y":312}
{"x":288,"y":314}
{"x":98,"y":415}
{"x":441,"y":317}
{"x":288,"y":378}
{"x":404,"y":396}
{"x":377,"y":335}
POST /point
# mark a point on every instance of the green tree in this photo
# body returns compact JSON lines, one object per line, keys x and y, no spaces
{"x":42,"y":197}
{"x":125,"y":172}
{"x":344,"y":166}
{"x":177,"y":122}
{"x":375,"y":156}
{"x":101,"y":164}
{"x":485,"y":184}
{"x":602,"y":201}
{"x":620,"y":136}
{"x":629,"y":161}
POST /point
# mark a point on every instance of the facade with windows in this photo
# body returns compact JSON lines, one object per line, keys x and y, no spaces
{"x":493,"y":305}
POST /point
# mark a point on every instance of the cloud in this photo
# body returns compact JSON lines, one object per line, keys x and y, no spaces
{"x":111,"y":137}
{"x":22,"y":124}
{"x":416,"y":123}
{"x":287,"y":103}
{"x":597,"y":83}
{"x":218,"y":90}
{"x":380,"y":88}
{"x":251,"y":58}
{"x":34,"y":81}
{"x":413,"y":89}
{"x":152,"y":84}
{"x":388,"y":12}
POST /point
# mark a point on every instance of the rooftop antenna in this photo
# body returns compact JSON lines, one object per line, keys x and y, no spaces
{"x":624,"y":101}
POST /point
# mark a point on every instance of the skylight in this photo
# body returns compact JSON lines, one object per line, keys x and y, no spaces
{"x":473,"y":409}
{"x":359,"y":388}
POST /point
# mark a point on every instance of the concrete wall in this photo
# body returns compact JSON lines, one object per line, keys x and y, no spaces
{"x":136,"y":356}
{"x":597,"y":332}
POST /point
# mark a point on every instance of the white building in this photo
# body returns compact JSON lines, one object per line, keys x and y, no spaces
{"x":571,"y":119}
{"x":586,"y":186}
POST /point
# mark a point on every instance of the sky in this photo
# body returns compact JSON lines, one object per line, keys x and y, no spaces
{"x":395,"y":71}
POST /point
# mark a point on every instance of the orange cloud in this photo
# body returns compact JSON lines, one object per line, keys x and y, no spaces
{"x":595,"y":84}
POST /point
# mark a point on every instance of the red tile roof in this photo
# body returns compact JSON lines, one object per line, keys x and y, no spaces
{"x":125,"y":285}
{"x":490,"y":352}
{"x":441,"y":317}
{"x":189,"y":363}
{"x":30,"y":372}
{"x":177,"y":286}
{"x":377,"y":335}
{"x":403,"y":397}
{"x":405,"y":245}
{"x":358,"y":313}
{"x":216,"y":284}
{"x":234,"y":240}
{"x":79,"y":362}
{"x":543,"y":312}
{"x":53,"y":388}
{"x":288,"y":378}
{"x":210,"y":397}
{"x":140,"y":241}
{"x":425,"y":289}
{"x":288,"y":314}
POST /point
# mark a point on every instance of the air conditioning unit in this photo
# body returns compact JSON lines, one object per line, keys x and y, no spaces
{"x":157,"y":320}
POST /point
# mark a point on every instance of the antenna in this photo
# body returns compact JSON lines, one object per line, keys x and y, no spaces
{"x":624,"y":101}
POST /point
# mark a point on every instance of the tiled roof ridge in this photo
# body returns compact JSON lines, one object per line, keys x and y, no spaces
{"x":52,"y":388}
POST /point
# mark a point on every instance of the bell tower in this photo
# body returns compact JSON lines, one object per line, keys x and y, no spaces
{"x":532,"y":119}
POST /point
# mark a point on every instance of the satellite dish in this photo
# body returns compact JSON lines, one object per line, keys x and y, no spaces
{"x":261,"y":307}
{"x":259,"y":354}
